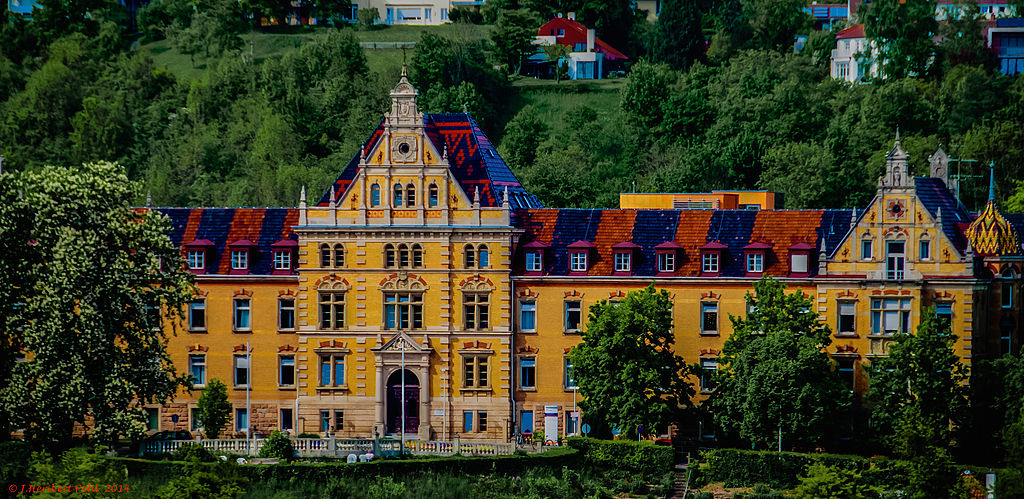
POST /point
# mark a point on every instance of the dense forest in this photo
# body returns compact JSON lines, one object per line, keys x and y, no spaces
{"x":711,"y":101}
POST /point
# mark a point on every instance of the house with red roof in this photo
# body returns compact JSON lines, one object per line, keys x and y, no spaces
{"x":852,"y":59}
{"x":590,"y":58}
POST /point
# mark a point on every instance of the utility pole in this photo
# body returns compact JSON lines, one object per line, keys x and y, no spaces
{"x":402,"y":374}
{"x":248,"y":388}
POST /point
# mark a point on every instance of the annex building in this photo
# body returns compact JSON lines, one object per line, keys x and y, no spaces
{"x":427,"y":274}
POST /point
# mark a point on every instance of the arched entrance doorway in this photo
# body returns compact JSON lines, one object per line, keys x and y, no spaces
{"x":394,"y":402}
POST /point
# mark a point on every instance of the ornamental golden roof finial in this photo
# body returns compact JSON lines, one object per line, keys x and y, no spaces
{"x":991,"y":233}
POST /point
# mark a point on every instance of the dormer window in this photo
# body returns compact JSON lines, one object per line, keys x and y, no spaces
{"x":623,"y":253}
{"x":578,"y":253}
{"x":240,"y":256}
{"x":754,"y":258}
{"x":282,"y":260}
{"x":534,"y":255}
{"x":195,"y":253}
{"x":800,"y":259}
{"x":668,"y":253}
{"x":197,"y":259}
{"x":284,"y":251}
{"x":711,"y":258}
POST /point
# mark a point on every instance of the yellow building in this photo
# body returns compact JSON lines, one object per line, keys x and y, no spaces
{"x":427,"y":252}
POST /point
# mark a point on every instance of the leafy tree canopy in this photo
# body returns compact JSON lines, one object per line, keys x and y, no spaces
{"x":627,"y":374}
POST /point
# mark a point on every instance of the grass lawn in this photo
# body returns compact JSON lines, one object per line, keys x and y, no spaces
{"x":554,"y":101}
{"x":270,"y":45}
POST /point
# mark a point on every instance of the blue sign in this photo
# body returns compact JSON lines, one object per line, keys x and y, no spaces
{"x":586,"y":428}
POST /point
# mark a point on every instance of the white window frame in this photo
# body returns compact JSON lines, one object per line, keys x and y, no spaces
{"x":239,"y":259}
{"x":534,"y":261}
{"x":755,"y":262}
{"x":281,"y":309}
{"x":578,"y":261}
{"x":192,"y":307}
{"x":282,"y":260}
{"x":623,"y":261}
{"x":281,"y":368}
{"x":196,"y":259}
{"x":708,"y":307}
{"x":666,"y":262}
{"x":529,"y":306}
{"x":192,"y":364}
{"x":709,"y":262}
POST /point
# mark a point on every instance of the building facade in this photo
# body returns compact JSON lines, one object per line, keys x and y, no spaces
{"x":427,"y":291}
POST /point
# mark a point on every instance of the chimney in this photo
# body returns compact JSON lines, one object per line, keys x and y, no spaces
{"x":571,"y":16}
{"x":590,"y":40}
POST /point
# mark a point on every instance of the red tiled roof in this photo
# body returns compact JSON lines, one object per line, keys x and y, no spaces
{"x":855,"y":31}
{"x":575,"y":32}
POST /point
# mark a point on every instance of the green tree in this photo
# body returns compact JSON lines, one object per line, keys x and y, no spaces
{"x":775,"y":376}
{"x":213,"y":408}
{"x":627,"y":373}
{"x":278,"y":445}
{"x":523,"y":135}
{"x":805,"y":172}
{"x":774,"y":24}
{"x":962,"y":40}
{"x":513,"y":38}
{"x":557,"y":54}
{"x":919,"y":384}
{"x":830,"y":482}
{"x":92,"y":283}
{"x":99,"y":131}
{"x":678,"y":39}
{"x":902,"y":32}
{"x":368,"y":17}
{"x":645,"y":91}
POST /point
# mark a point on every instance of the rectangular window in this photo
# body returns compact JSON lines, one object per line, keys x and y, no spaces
{"x":709,"y":263}
{"x":467,"y":420}
{"x":332,"y":369}
{"x":286,"y":314}
{"x":707,"y":374}
{"x":474,"y":369}
{"x":241,"y":371}
{"x":666,"y":262}
{"x":481,"y":421}
{"x":528,"y":316}
{"x":526,"y":422}
{"x":403,"y":310}
{"x":197,"y":315}
{"x":1006,"y":295}
{"x":325,"y":421}
{"x":709,"y":318}
{"x":568,"y":379}
{"x":197,"y":259}
{"x":924,"y":250}
{"x":282,"y":260}
{"x":332,"y":311}
{"x":152,"y":418}
{"x":894,"y":260}
{"x":866,"y":250}
{"x":847,"y":317}
{"x":444,"y":14}
{"x":798,"y":263}
{"x":533,"y":261}
{"x":194,"y":423}
{"x":475,"y":307}
{"x":572,"y":316}
{"x":755,"y":262}
{"x":197,"y":367}
{"x":528,"y":373}
{"x":944,"y":312}
{"x":286,"y":371}
{"x":846,"y":372}
{"x":240,"y":259}
{"x":571,"y":423}
{"x":622,"y":262}
{"x":890,"y":316}
{"x":242,"y":420}
{"x":339,"y":419}
{"x":286,"y":420}
{"x":578,"y":261}
{"x":242,"y":311}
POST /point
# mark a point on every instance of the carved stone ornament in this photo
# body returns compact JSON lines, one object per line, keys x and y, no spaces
{"x":403,"y":149}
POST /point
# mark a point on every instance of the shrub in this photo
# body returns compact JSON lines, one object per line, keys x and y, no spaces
{"x":828,"y":482}
{"x":218,"y":480}
{"x":744,"y":468}
{"x":193,"y":452}
{"x":643,"y":458}
{"x":14,"y":461}
{"x":213,"y":408}
{"x":277,"y":445}
{"x":77,"y":465}
{"x":368,"y":17}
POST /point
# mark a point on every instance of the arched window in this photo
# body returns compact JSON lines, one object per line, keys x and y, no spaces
{"x":403,"y":256}
{"x":417,"y":256}
{"x":433,"y":195}
{"x":482,"y":257}
{"x":410,"y":195}
{"x":339,"y":255}
{"x":325,"y":256}
{"x":375,"y":195}
{"x":389,"y":256}
{"x":469,"y":257}
{"x":398,"y":196}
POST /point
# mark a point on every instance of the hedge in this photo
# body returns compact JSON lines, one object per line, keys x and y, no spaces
{"x":643,"y":458}
{"x":323,"y":473}
{"x":745,"y":468}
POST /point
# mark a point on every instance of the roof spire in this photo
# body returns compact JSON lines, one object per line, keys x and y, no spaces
{"x":992,"y":181}
{"x":897,"y":133}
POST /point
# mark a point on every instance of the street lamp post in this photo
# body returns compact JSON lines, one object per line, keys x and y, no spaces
{"x":402,"y":374}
